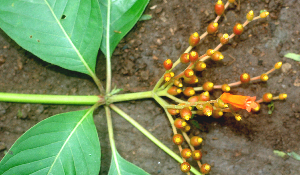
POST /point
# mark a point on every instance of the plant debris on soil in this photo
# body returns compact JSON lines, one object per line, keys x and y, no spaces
{"x":231,"y":147}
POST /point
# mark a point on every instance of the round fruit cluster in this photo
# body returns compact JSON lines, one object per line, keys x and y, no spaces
{"x":201,"y":104}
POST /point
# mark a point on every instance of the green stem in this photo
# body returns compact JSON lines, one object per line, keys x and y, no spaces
{"x":175,"y":98}
{"x":160,"y":81}
{"x":130,"y":96}
{"x":51,"y":99}
{"x":98,"y":83}
{"x":108,"y":61}
{"x":150,"y":136}
{"x":111,"y":137}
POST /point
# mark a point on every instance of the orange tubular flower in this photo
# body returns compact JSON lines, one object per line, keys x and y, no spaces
{"x":239,"y":101}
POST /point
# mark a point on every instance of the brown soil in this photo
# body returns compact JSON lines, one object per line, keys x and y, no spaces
{"x":232,"y":147}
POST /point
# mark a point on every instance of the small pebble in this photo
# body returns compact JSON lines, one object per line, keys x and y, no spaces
{"x":286,"y":67}
{"x":2,"y":146}
{"x":159,"y":42}
{"x":178,"y":45}
{"x":2,"y":60}
{"x":297,"y":82}
{"x":158,"y":10}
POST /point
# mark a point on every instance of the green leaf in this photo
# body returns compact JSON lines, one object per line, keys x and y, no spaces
{"x":123,"y":16}
{"x":279,"y":153}
{"x":120,"y":166}
{"x":145,"y":17}
{"x":294,"y":155}
{"x":195,"y":124}
{"x":293,"y":56}
{"x":61,"y":32}
{"x":62,"y":144}
{"x":271,"y":107}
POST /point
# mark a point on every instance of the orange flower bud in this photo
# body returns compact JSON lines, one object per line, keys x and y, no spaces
{"x":200,"y":66}
{"x":205,"y":168}
{"x":196,"y":140}
{"x":168,"y":64}
{"x":238,"y":29}
{"x":208,"y":86}
{"x":185,"y":167}
{"x":193,"y":56}
{"x":197,"y":155}
{"x":212,"y":28}
{"x":178,"y":139}
{"x":194,"y":39}
{"x":219,"y":7}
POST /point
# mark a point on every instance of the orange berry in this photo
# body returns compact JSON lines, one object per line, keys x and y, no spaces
{"x":250,"y":15}
{"x":197,"y":155}
{"x":174,"y":90}
{"x":238,"y":29}
{"x":177,"y":139}
{"x":188,"y":73}
{"x":173,"y":111}
{"x":257,"y":108}
{"x":194,"y":39}
{"x":264,"y":14}
{"x":200,"y":66}
{"x":205,"y":168}
{"x":189,"y":91}
{"x":217,"y":56}
{"x":217,"y":113}
{"x":196,"y":141}
{"x":186,"y":113}
{"x":186,"y":153}
{"x":178,"y":83}
{"x":167,"y":77}
{"x":168,"y":64}
{"x":282,"y":96}
{"x":245,"y":78}
{"x":193,"y":56}
{"x":267,"y":97}
{"x":180,"y":123}
{"x":187,"y":128}
{"x":224,"y":39}
{"x":225,"y":88}
{"x":219,"y":7}
{"x":208,"y":86}
{"x":204,"y":96}
{"x":264,"y":77}
{"x":212,"y":28}
{"x":184,"y":58}
{"x":191,"y":80}
{"x":210,"y":52}
{"x":193,"y":99}
{"x":185,"y":167}
{"x":278,"y":65}
{"x":207,"y":109}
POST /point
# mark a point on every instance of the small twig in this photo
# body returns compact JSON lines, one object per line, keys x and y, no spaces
{"x":234,"y":59}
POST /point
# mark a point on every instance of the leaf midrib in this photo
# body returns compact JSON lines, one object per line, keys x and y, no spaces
{"x":71,"y":134}
{"x":69,"y":39}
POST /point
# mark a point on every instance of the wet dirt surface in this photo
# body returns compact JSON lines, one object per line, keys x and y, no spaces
{"x":231,"y":147}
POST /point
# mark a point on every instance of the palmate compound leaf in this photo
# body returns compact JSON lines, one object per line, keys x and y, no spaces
{"x":66,"y":33}
{"x":66,"y":143}
{"x":120,"y":166}
{"x":123,"y":16}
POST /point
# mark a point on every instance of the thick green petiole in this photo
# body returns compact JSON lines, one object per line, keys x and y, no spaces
{"x":130,"y":96}
{"x":51,"y":99}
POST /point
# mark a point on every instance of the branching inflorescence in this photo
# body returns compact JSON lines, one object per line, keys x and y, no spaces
{"x":200,"y":104}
